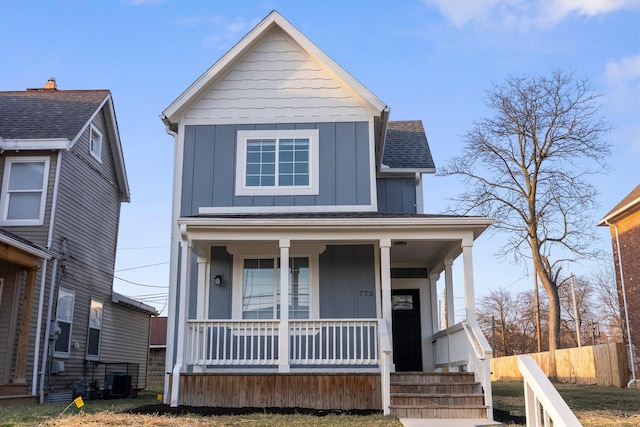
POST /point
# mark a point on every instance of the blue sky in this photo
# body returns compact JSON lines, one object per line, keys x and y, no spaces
{"x":431,"y":60}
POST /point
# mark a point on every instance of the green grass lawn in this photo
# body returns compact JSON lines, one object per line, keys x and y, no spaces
{"x":113,"y":413}
{"x":593,"y":405}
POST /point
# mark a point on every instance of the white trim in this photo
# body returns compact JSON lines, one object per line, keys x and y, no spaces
{"x":276,"y":120}
{"x":313,"y":135}
{"x":373,"y":184}
{"x":234,"y":210}
{"x":35,"y":144}
{"x":4,"y":202}
{"x":40,"y":253}
{"x":96,"y":152}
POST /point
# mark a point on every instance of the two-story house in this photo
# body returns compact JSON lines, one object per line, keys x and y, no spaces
{"x":285,"y":163}
{"x":63,"y":180}
{"x":624,"y":224}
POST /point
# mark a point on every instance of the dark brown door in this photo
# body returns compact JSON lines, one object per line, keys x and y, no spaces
{"x":407,"y":348}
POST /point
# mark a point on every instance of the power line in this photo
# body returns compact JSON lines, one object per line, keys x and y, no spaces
{"x":140,"y":284}
{"x":142,"y":266}
{"x":142,"y":247}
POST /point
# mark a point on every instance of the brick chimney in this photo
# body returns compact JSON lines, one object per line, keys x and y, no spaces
{"x":51,"y":84}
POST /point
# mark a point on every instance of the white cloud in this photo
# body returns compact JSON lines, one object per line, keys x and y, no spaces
{"x":623,"y":77}
{"x":524,"y":14}
{"x":227,"y":31}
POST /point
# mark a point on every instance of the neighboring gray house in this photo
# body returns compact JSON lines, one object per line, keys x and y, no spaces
{"x":63,"y":180}
{"x":284,"y":162}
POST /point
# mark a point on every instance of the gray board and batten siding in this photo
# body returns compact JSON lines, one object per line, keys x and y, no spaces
{"x":396,"y":195}
{"x":208,"y":176}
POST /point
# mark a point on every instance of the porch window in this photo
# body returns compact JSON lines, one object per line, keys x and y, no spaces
{"x":277,"y":162}
{"x":261,"y":288}
{"x":64,"y":319}
{"x":24,"y":189}
{"x":95,"y":329}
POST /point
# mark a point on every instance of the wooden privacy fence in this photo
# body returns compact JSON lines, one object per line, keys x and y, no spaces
{"x":603,"y":364}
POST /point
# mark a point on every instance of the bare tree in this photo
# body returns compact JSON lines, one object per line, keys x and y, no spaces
{"x":527,"y":167}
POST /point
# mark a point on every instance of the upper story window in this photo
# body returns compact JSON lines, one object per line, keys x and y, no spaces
{"x":24,"y":190}
{"x":277,"y":162}
{"x":95,"y":143}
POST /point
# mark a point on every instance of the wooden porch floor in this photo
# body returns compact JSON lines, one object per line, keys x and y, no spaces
{"x":272,"y":390}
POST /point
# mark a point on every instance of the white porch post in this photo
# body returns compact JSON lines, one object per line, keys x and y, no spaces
{"x":202,"y":301}
{"x":283,"y":339}
{"x":469,"y":293}
{"x":185,"y":267}
{"x":385,"y":282}
{"x":433,"y":279}
{"x":202,"y":305}
{"x":449,"y":309}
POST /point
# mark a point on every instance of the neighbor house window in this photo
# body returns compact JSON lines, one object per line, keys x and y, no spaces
{"x":95,"y":143}
{"x":261,"y":288}
{"x":95,"y":329}
{"x":64,"y":319}
{"x":24,"y":190}
{"x":277,"y":162}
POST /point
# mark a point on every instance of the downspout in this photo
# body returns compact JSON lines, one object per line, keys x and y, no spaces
{"x":45,"y":349}
{"x":173,"y":267}
{"x":36,"y":352}
{"x":43,"y":278}
{"x":626,"y":311}
{"x":47,"y":331}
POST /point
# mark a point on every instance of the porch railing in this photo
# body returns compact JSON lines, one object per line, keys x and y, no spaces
{"x":334,"y":342}
{"x":313,"y":343}
{"x":464,"y":345}
{"x":543,"y":404}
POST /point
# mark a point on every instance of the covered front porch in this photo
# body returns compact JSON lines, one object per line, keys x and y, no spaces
{"x":361,"y":296}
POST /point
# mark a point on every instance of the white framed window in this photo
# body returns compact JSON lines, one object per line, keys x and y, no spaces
{"x":261,"y":288}
{"x":95,"y":143}
{"x":95,"y":329}
{"x":24,"y":190}
{"x":277,"y":162}
{"x":64,"y":319}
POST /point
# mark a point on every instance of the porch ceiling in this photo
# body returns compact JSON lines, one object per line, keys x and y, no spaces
{"x":415,"y":240}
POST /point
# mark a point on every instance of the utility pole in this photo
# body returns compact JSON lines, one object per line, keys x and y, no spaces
{"x":575,"y":312}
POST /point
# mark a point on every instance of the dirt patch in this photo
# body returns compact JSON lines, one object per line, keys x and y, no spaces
{"x":207,"y":411}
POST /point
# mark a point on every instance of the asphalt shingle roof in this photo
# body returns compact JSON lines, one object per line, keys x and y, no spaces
{"x":406,"y":146}
{"x":632,"y":197}
{"x":47,"y":113}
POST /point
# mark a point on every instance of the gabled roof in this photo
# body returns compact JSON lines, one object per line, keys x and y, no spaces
{"x":171,"y":115}
{"x":628,"y":205}
{"x":51,"y":119}
{"x":131,"y":303}
{"x":407,"y":149}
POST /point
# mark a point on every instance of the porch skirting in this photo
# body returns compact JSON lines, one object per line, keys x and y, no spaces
{"x":275,"y":390}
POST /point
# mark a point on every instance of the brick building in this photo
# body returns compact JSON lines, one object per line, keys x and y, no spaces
{"x":624,"y":223}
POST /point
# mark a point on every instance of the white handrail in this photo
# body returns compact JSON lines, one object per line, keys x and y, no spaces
{"x":543,"y":403}
{"x":386,"y":350}
{"x":480,"y":361}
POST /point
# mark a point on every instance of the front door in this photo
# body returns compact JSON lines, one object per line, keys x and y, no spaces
{"x":407,"y":346}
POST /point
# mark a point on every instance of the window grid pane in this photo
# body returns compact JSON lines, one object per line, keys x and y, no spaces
{"x":261,"y":163}
{"x":294,"y":162}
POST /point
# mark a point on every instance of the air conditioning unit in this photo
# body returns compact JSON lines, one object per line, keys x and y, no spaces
{"x":57,"y":366}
